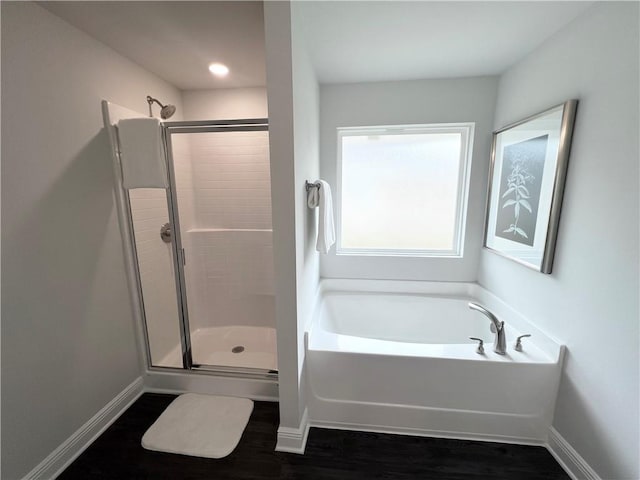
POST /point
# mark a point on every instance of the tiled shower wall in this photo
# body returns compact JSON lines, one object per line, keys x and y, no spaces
{"x":231,"y":180}
{"x":182,"y":164}
{"x":228,"y":240}
{"x":149,"y":211}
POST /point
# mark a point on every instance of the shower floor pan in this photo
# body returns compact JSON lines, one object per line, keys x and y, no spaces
{"x":231,"y":346}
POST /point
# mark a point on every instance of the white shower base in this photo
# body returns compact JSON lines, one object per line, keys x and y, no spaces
{"x":213,"y":346}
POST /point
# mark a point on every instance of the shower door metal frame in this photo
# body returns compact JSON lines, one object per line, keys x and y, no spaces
{"x":179,"y":260}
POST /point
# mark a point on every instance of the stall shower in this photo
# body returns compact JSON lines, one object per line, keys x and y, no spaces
{"x":204,"y":250}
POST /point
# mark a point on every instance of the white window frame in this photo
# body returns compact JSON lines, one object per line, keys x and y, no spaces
{"x":466,"y":130}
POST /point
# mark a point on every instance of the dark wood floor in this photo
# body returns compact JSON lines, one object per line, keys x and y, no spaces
{"x":330,"y":454}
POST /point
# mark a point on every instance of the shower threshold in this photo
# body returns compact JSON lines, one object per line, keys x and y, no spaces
{"x":230,"y":346}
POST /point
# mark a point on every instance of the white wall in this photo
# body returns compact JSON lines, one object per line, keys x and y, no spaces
{"x":225,"y":103}
{"x":277,"y":19}
{"x":293,"y":118}
{"x":590,"y":301}
{"x":306,"y":124}
{"x":411,"y":102}
{"x":68,"y":337}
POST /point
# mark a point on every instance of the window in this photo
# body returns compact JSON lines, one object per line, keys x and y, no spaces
{"x":402,"y":190}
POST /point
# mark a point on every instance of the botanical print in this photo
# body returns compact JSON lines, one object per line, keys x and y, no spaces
{"x":520,"y":183}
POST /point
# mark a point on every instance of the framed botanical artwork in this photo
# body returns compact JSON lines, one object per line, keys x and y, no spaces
{"x":526,"y":183}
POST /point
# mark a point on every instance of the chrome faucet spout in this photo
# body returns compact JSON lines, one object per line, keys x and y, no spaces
{"x":497,"y":327}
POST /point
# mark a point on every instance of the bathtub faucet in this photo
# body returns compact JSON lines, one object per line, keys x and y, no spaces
{"x":497,"y":327}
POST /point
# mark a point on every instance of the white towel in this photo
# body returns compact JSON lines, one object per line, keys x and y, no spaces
{"x":141,"y":153}
{"x":326,"y":228}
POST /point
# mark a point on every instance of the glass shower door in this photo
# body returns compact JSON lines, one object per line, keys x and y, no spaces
{"x":221,"y":213}
{"x":149,"y":212}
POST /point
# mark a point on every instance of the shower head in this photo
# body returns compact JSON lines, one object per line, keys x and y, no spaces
{"x":165,"y":110}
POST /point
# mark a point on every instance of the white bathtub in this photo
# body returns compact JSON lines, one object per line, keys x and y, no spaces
{"x":396,"y":357}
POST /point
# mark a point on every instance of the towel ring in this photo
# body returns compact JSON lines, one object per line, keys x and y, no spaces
{"x":308,"y":185}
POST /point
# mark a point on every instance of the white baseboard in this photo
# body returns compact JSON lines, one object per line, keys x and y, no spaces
{"x":294,"y":440}
{"x":77,"y":443}
{"x":568,"y":458}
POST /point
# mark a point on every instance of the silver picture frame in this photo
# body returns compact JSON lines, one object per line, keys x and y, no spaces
{"x":527,"y":177}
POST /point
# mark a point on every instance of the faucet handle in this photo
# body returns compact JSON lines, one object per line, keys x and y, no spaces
{"x":518,"y":345}
{"x":480,"y":348}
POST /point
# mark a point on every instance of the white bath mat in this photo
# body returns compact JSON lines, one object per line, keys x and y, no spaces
{"x":199,"y":426}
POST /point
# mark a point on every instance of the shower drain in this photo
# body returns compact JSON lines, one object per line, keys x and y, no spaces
{"x":238,"y":349}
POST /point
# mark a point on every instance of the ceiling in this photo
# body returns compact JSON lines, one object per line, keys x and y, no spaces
{"x":348,"y":41}
{"x":396,"y":40}
{"x":178,"y":40}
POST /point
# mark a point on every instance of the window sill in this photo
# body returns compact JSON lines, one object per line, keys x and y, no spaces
{"x":399,"y":254}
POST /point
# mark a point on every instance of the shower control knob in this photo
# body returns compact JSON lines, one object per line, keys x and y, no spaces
{"x":518,"y":345}
{"x":165,"y":233}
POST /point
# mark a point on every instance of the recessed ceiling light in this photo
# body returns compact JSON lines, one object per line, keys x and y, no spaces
{"x":218,"y":69}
